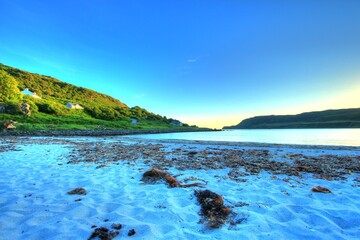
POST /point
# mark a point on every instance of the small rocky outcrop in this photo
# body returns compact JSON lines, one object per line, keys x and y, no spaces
{"x":25,"y":109}
{"x":8,"y":125}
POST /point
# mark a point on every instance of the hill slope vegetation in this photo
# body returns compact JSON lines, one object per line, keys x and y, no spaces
{"x":49,"y":111}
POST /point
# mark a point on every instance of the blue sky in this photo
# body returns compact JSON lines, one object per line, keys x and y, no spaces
{"x":210,"y":63}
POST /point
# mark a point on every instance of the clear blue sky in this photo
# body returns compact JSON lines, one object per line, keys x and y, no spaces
{"x":210,"y":63}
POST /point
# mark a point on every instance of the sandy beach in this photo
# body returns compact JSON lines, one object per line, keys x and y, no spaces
{"x":268,"y":189}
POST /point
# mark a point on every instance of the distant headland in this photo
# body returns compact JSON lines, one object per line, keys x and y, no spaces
{"x":340,"y":118}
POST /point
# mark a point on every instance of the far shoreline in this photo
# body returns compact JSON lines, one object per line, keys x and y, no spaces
{"x":96,"y":133}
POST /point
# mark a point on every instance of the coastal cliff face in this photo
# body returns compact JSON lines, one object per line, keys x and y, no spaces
{"x":341,"y":118}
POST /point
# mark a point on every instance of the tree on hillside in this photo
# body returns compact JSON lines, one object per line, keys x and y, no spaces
{"x":8,"y":87}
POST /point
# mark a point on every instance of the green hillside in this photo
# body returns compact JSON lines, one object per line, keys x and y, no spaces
{"x":49,"y":110}
{"x":341,"y":118}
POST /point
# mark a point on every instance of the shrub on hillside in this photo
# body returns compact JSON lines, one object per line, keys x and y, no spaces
{"x":12,"y":108}
{"x":104,"y":113}
{"x":123,"y":111}
{"x":51,"y":108}
{"x":8,"y":87}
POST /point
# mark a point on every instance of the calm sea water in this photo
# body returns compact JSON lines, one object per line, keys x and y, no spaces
{"x":343,"y":137}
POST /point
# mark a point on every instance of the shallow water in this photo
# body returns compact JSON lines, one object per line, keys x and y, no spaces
{"x":341,"y":137}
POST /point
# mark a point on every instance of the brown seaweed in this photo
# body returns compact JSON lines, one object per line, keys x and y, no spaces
{"x":78,"y":191}
{"x":155,"y":175}
{"x":212,"y":208}
{"x":320,"y":189}
{"x":103,"y":234}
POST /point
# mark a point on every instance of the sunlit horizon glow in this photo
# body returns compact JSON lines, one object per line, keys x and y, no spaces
{"x":208,"y":63}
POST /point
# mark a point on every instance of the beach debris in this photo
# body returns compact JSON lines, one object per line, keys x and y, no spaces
{"x":192,"y":179}
{"x":356,"y":182}
{"x":241,"y":204}
{"x":173,"y":182}
{"x":274,"y":177}
{"x":155,"y":175}
{"x":78,"y":191}
{"x":131,"y":232}
{"x":100,"y":166}
{"x":236,"y":175}
{"x":287,"y":180}
{"x":103,"y":234}
{"x":285,"y":192}
{"x":116,"y":226}
{"x":160,"y":206}
{"x":192,"y":153}
{"x":262,"y":205}
{"x":238,"y":219}
{"x":212,"y":208}
{"x":320,"y":189}
{"x":251,"y":161}
{"x":9,"y":147}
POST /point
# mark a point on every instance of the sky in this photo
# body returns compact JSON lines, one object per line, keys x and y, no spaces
{"x":211,"y":63}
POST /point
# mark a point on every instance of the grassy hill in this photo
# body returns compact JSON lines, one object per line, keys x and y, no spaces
{"x":49,"y":112}
{"x":341,"y":118}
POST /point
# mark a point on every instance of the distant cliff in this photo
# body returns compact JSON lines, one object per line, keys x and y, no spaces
{"x":341,"y":118}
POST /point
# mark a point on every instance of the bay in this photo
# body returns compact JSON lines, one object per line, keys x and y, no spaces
{"x":339,"y":137}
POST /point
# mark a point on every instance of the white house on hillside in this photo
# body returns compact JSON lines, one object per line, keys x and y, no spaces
{"x":28,"y":92}
{"x":176,"y":123}
{"x":74,"y":105}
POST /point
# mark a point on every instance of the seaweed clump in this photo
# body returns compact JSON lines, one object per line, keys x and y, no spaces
{"x":155,"y":175}
{"x":103,"y":233}
{"x":78,"y":191}
{"x":131,"y":232}
{"x":212,"y":208}
{"x":321,"y":189}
